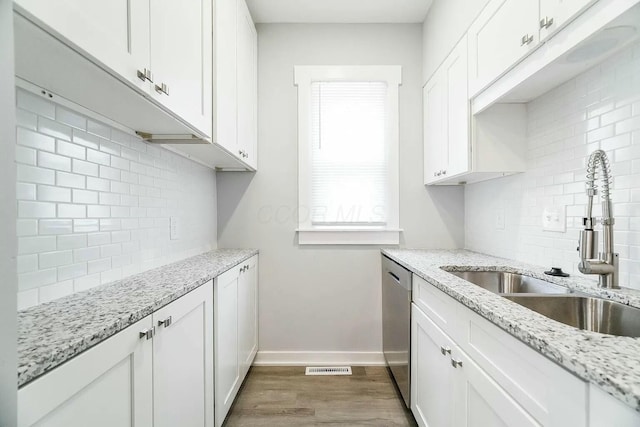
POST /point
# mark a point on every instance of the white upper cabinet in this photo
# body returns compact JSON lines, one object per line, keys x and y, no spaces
{"x":160,"y":50}
{"x":114,"y":33}
{"x":236,"y":80}
{"x":554,"y":14}
{"x":181,"y":59}
{"x":247,"y":86}
{"x":433,"y":101}
{"x":226,"y":94}
{"x":505,"y":32}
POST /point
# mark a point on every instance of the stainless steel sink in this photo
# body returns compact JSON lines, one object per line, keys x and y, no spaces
{"x":501,"y":282}
{"x":583,"y":312}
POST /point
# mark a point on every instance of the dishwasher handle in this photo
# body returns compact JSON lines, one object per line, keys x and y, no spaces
{"x":396,"y":278}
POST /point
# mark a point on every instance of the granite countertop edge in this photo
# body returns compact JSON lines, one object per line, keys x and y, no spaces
{"x":53,"y":333}
{"x":610,"y":362}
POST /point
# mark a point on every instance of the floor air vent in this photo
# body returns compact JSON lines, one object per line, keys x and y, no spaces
{"x":330,"y":370}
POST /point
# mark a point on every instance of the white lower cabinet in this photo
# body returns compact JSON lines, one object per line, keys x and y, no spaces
{"x":183,"y":361}
{"x":236,"y":334}
{"x":465,"y":371}
{"x":108,"y":385}
{"x":158,"y":371}
{"x":449,"y":389}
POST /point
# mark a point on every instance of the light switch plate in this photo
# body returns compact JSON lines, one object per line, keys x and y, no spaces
{"x":554,"y":218}
{"x":174,"y":228}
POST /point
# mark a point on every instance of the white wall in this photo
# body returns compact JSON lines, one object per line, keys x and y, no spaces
{"x":94,"y":203}
{"x":598,"y":109}
{"x":8,"y":363}
{"x":327,"y":298}
{"x":446,"y":22}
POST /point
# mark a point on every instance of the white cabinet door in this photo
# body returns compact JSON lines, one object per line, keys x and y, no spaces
{"x":248,"y":314}
{"x":457,"y":111}
{"x":114,"y":33}
{"x":109,"y":385}
{"x":432,"y":376}
{"x":183,"y":361}
{"x":554,"y":14}
{"x":480,"y":401}
{"x":247,"y":85}
{"x":504,"y":32}
{"x":226,"y":95}
{"x":181,"y":59}
{"x":434,"y":139}
{"x":227,"y":360}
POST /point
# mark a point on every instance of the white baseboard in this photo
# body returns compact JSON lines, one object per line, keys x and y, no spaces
{"x":307,"y":358}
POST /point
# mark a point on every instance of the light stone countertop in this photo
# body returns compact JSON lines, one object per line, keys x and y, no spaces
{"x":52,"y":333}
{"x":611,"y":362}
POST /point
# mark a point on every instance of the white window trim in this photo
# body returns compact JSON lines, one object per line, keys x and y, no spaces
{"x":308,"y":234}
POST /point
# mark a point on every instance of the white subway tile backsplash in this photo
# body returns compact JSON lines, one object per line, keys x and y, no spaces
{"x":48,"y":193}
{"x":35,"y":245}
{"x":53,"y":128}
{"x":35,"y":140}
{"x":25,"y":155}
{"x":26,"y":263}
{"x":86,"y":254}
{"x":98,"y":157}
{"x":70,"y":118}
{"x":85,"y":225}
{"x":55,"y":226}
{"x":109,"y":173}
{"x":36,"y":209}
{"x":97,"y":211}
{"x":99,"y":184}
{"x":71,"y":150}
{"x":53,"y":161}
{"x":98,"y":129}
{"x":84,"y":168}
{"x":595,"y":110}
{"x":94,"y":202}
{"x":35,"y":104}
{"x":27,"y":227}
{"x":85,"y":139}
{"x":25,"y":191}
{"x":64,"y":179}
{"x":71,"y":211}
{"x":85,"y":196}
{"x":72,"y":271}
{"x":26,"y":119}
{"x":55,"y":259}
{"x":72,"y":241}
{"x":35,"y":174}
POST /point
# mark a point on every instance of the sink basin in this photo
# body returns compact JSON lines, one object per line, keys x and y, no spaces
{"x":501,"y":282}
{"x":583,"y":312}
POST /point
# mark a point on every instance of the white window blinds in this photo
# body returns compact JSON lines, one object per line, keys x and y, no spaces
{"x":349,"y":154}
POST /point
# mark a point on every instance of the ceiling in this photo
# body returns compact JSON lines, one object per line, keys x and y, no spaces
{"x":339,"y":11}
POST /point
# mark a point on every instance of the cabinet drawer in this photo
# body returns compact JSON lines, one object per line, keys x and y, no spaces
{"x":436,"y":304}
{"x":553,"y":396}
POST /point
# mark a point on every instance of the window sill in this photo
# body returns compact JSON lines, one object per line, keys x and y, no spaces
{"x":348,"y":236}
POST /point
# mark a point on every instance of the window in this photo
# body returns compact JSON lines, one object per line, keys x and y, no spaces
{"x":348,"y":154}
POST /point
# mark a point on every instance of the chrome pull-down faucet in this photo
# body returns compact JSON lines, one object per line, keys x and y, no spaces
{"x":605,"y":264}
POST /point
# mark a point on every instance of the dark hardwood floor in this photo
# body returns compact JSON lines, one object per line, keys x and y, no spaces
{"x":284,"y":396}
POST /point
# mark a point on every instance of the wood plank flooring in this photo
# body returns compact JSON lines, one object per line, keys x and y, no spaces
{"x":284,"y":396}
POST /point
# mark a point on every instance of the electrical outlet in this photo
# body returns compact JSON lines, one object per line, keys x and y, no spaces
{"x":174,"y":228}
{"x":500,"y":219}
{"x":554,"y":218}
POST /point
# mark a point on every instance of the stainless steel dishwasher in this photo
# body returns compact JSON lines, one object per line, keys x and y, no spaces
{"x":396,"y":324}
